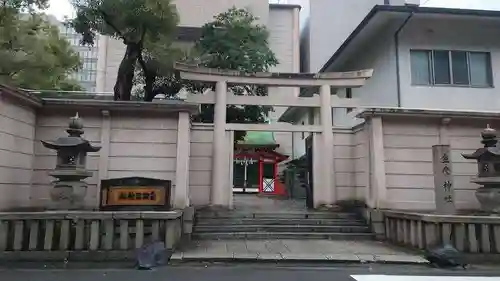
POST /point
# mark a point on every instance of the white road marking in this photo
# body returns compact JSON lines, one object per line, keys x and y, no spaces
{"x":421,"y":278}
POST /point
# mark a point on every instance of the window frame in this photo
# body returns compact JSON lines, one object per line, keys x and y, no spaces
{"x":348,"y":95}
{"x":432,"y":79}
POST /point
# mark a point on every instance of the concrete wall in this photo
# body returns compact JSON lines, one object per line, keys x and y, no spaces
{"x":387,"y":161}
{"x":132,"y":145}
{"x":344,"y":161}
{"x":200,"y":164}
{"x":17,"y":133}
{"x":408,"y":161}
{"x":144,"y":146}
{"x":406,"y":156}
{"x":361,"y":158}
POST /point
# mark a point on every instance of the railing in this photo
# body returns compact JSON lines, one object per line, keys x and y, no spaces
{"x":94,"y":235}
{"x":469,"y":234}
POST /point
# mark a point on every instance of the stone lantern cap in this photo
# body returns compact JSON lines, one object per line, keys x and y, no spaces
{"x":74,"y":140}
{"x":489,"y":139}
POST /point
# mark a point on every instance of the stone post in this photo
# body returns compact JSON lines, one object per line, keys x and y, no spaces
{"x":181,"y":189}
{"x":219,"y":170}
{"x":327,"y":167}
{"x":443,"y":180}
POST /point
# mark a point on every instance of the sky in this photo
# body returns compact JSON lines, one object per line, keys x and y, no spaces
{"x":62,"y":8}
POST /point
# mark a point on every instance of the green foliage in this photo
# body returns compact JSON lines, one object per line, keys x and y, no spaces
{"x":158,"y":76}
{"x":32,"y":53}
{"x":10,"y":8}
{"x":132,"y":21}
{"x":235,"y":41}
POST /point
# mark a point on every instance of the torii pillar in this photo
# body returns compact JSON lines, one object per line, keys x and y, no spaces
{"x":219,"y":193}
{"x":325,"y":193}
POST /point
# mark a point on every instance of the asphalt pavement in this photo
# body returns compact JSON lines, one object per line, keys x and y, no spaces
{"x":253,"y":272}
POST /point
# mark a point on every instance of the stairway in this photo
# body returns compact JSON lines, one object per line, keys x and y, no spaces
{"x":239,"y":224}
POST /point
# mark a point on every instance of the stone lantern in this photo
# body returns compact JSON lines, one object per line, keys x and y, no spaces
{"x":69,"y":188}
{"x":488,"y":176}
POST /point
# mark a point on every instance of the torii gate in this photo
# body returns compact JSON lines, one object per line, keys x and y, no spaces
{"x":324,"y":182}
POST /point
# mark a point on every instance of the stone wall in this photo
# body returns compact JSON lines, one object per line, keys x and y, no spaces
{"x":386,"y":162}
{"x":200,"y":164}
{"x":17,"y":133}
{"x":135,"y":144}
{"x":137,"y":139}
{"x":344,"y":160}
{"x":361,"y":160}
{"x":406,"y":157}
{"x":408,"y":161}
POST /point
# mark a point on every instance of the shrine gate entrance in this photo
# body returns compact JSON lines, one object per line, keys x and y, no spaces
{"x":324,"y":190}
{"x":256,"y":165}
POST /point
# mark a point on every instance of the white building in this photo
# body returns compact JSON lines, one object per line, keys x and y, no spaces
{"x":435,"y":58}
{"x":87,"y":76}
{"x":328,"y":25}
{"x":282,"y":21}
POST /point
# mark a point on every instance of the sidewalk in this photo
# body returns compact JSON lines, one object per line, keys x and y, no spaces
{"x":295,"y":250}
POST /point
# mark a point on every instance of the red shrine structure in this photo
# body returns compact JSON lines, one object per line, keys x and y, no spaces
{"x":256,"y":165}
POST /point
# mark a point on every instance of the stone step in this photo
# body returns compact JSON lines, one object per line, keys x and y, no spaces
{"x":274,"y":221}
{"x":275,"y":215}
{"x":280,"y":228}
{"x":282,"y":235}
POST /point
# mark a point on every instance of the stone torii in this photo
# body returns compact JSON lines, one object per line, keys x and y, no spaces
{"x":324,"y":190}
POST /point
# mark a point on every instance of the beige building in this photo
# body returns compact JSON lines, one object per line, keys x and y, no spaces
{"x":282,"y":21}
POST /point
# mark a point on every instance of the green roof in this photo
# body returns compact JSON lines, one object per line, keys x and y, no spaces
{"x":258,"y":138}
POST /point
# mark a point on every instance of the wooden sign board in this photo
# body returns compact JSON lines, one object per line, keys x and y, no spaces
{"x":135,"y":194}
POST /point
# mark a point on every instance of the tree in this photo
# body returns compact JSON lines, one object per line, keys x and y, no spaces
{"x":157,"y":75}
{"x":235,"y":41}
{"x":132,"y":21}
{"x":32,"y":53}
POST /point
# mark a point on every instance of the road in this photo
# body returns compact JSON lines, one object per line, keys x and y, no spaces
{"x":253,"y":272}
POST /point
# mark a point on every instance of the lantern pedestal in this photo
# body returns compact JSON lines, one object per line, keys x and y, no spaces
{"x":488,"y":194}
{"x":68,"y":195}
{"x":489,"y":198}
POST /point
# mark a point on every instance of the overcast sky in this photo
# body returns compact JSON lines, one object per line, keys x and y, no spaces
{"x":61,"y":8}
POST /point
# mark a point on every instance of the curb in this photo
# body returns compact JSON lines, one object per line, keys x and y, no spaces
{"x":291,"y":260}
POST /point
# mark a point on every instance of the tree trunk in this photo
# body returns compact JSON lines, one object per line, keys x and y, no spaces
{"x":125,"y":77}
{"x":149,"y":95}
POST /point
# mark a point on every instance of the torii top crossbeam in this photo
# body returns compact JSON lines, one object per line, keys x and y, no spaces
{"x":351,"y":79}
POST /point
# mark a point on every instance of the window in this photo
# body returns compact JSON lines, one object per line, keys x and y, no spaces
{"x":460,"y":68}
{"x":348,"y":95}
{"x":303,"y":135}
